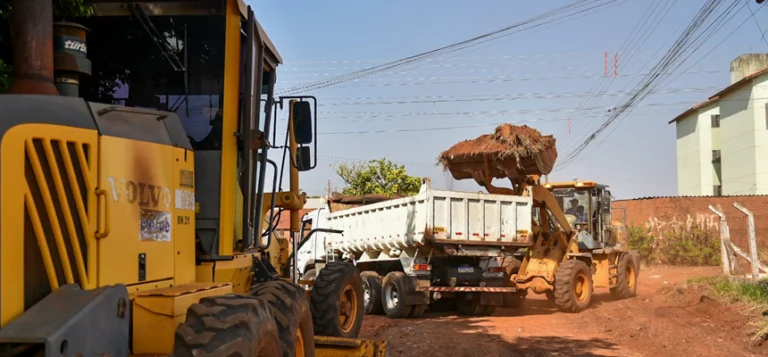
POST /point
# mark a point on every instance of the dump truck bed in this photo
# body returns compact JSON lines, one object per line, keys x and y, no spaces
{"x":435,"y":217}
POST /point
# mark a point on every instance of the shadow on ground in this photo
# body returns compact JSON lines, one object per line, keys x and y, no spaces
{"x":440,"y":335}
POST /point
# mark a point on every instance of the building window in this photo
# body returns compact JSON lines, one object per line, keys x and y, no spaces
{"x":718,"y":190}
{"x":715,"y":155}
{"x":715,"y":120}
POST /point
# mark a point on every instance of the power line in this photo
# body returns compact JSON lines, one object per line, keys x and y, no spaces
{"x":450,"y":48}
{"x":670,"y":61}
{"x":497,"y":97}
{"x":505,"y":79}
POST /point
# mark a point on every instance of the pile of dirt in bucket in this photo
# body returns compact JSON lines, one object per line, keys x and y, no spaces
{"x":521,"y":148}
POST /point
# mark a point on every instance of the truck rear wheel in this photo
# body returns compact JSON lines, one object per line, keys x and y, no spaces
{"x":231,"y":325}
{"x":392,"y":295}
{"x":371,"y":293}
{"x":626,"y":285}
{"x":573,"y":286}
{"x":289,"y":305}
{"x":336,"y":301}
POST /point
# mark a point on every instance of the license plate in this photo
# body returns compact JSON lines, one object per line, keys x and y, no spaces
{"x":463,"y":270}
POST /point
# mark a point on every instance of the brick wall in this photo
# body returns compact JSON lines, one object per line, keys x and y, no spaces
{"x":682,"y":213}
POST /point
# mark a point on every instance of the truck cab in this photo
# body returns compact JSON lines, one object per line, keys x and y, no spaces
{"x":311,"y":249}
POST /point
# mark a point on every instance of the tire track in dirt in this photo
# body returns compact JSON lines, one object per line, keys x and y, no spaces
{"x":654,"y":323}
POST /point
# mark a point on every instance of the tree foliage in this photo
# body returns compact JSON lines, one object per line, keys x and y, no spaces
{"x":379,"y":176}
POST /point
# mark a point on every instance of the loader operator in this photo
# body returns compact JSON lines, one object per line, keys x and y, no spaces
{"x":576,"y":210}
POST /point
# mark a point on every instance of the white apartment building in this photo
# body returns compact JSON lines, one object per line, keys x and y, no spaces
{"x":722,"y":143}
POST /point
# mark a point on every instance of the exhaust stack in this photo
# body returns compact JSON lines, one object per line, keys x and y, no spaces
{"x":32,"y":45}
{"x":69,"y":58}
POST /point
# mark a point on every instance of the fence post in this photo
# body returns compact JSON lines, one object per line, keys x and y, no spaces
{"x":752,"y":241}
{"x":724,"y":238}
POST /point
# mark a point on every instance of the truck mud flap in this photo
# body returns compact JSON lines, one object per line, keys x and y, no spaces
{"x":326,"y":346}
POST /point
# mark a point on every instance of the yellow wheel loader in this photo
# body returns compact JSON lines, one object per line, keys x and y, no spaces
{"x":574,"y":249}
{"x":575,"y":245}
{"x":133,"y":213}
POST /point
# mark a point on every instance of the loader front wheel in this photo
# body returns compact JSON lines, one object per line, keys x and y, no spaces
{"x":289,"y":305}
{"x":626,"y":284}
{"x":573,"y":286}
{"x":371,"y":293}
{"x":336,"y":301}
{"x":231,"y":325}
{"x":392,"y":295}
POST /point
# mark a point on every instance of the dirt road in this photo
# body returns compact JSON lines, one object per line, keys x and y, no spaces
{"x":654,"y":323}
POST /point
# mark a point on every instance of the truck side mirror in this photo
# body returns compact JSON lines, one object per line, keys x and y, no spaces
{"x":303,"y":158}
{"x":302,"y":122}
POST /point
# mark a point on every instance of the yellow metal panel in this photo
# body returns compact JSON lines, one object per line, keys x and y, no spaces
{"x":138,"y":177}
{"x":152,"y":285}
{"x":204,"y":272}
{"x":602,"y":276}
{"x":347,"y":347}
{"x":236,"y":271}
{"x":230,"y":119}
{"x":156,"y":313}
{"x":184,"y":224}
{"x":40,"y":143}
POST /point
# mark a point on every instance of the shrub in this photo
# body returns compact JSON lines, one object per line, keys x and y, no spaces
{"x":695,"y":247}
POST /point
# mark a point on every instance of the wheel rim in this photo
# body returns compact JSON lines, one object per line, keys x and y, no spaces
{"x":300,"y":343}
{"x":366,"y":293}
{"x":390,"y":296}
{"x":631,"y":279}
{"x":581,"y":287}
{"x":348,"y":308}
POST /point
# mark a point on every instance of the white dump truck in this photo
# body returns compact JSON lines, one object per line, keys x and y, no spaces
{"x":414,"y":251}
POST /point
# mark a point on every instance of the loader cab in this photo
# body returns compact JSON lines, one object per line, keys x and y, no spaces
{"x":586,"y":204}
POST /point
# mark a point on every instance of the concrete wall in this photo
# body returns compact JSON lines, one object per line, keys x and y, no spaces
{"x":747,"y":64}
{"x":695,"y":173}
{"x":738,"y":142}
{"x":744,"y":140}
{"x":684,"y":213}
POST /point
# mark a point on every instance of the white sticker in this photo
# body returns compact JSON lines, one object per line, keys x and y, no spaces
{"x":185,"y":200}
{"x":155,"y":225}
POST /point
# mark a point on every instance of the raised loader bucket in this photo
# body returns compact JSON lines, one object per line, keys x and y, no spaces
{"x":511,"y":151}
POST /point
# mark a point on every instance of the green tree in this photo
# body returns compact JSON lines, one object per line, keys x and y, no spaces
{"x":379,"y":176}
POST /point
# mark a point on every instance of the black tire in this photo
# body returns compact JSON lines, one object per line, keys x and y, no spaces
{"x":573,"y":286}
{"x":417,"y":311}
{"x":469,"y":304}
{"x":626,"y":284}
{"x":372,"y":293}
{"x":512,"y":300}
{"x":338,"y":287}
{"x":290,"y":308}
{"x":392,"y":291}
{"x":231,"y":325}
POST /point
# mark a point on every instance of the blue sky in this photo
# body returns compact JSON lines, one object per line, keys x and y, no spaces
{"x":538,"y":78}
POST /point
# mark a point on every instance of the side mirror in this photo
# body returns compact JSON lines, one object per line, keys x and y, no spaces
{"x":302,"y":122}
{"x":605,"y":202}
{"x":303,"y":158}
